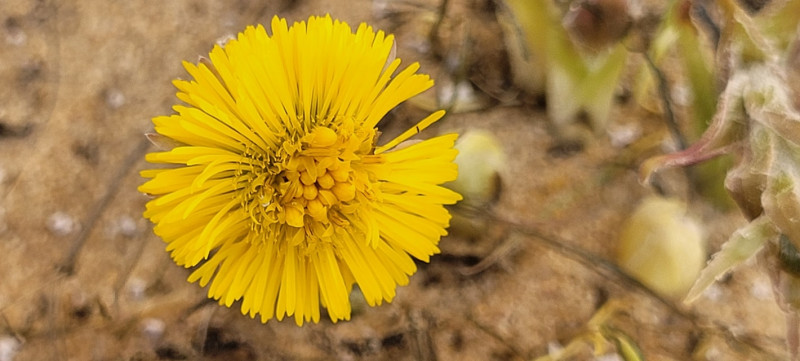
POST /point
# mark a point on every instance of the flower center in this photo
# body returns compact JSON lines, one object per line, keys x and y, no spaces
{"x":312,"y":185}
{"x":315,"y":180}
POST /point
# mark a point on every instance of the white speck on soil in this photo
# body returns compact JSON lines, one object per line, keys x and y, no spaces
{"x":16,"y":37}
{"x":761,"y":289}
{"x":126,"y":226}
{"x":153,"y":329}
{"x":9,"y":346}
{"x":115,"y":99}
{"x":554,"y":347}
{"x":682,"y":95}
{"x":624,"y":134}
{"x":714,"y":293}
{"x":61,"y":224}
{"x":712,"y":354}
{"x":137,"y":288}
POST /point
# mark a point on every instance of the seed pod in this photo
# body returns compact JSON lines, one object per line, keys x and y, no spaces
{"x":662,"y":246}
{"x":479,"y":160}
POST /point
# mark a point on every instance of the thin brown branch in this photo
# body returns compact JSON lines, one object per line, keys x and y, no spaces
{"x":68,"y":265}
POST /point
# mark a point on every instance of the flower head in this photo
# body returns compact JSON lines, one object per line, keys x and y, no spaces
{"x":278,"y":193}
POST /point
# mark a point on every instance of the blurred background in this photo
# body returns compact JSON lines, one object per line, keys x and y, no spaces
{"x":557,"y":102}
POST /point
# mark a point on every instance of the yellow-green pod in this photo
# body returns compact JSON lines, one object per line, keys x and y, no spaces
{"x":480,"y":160}
{"x":662,"y":246}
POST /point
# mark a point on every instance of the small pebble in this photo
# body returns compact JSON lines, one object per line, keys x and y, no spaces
{"x":15,"y":36}
{"x":761,"y":289}
{"x":713,"y":293}
{"x":554,"y":347}
{"x":9,"y":346}
{"x":623,"y":135}
{"x":137,"y":288}
{"x":712,"y":353}
{"x":126,"y":226}
{"x":153,"y":328}
{"x":380,"y":8}
{"x":61,"y":224}
{"x":115,"y":99}
{"x":682,"y":95}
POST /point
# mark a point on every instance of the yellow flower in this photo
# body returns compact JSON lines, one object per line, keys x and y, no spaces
{"x":277,"y":191}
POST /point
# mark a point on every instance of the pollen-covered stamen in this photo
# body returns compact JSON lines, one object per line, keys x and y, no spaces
{"x":319,"y":178}
{"x":314,"y":182}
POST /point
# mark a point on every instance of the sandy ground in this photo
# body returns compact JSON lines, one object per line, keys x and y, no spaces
{"x":83,"y":278}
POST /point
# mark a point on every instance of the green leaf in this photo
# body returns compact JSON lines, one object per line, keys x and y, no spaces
{"x":743,"y":244}
{"x":626,"y":347}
